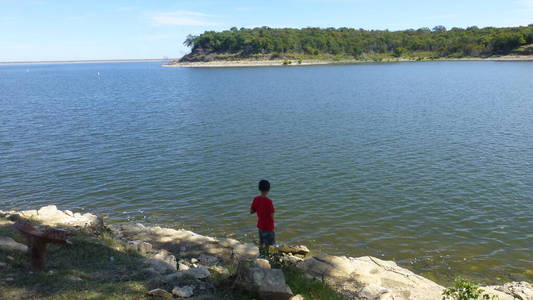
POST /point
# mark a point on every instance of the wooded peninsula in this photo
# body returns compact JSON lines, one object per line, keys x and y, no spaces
{"x":341,"y":44}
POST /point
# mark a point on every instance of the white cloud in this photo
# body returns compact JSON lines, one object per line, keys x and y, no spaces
{"x":181,"y":18}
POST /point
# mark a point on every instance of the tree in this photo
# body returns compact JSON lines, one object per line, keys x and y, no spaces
{"x":189,"y":41}
{"x":439,"y":28}
{"x":331,"y":42}
{"x":399,"y":52}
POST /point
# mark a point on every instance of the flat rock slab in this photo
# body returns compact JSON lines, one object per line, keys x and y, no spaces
{"x":183,"y":292}
{"x":4,"y":222}
{"x":163,"y":262}
{"x":294,"y":249}
{"x":198,"y":273}
{"x":511,"y":290}
{"x":51,"y":216}
{"x":369,"y":278}
{"x":187,"y":243}
{"x":159,"y":293}
{"x":267,"y":283}
{"x":140,"y":246}
{"x":9,"y":244}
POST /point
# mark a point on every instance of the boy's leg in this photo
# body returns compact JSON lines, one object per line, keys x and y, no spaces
{"x":261,"y":239}
{"x":270,"y":238}
{"x":263,"y":248}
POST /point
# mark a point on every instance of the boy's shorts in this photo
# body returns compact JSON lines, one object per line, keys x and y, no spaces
{"x":267,"y":238}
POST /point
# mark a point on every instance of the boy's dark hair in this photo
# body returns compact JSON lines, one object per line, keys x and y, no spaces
{"x":264,"y":185}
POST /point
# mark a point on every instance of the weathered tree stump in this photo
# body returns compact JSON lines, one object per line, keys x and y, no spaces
{"x":39,"y":241}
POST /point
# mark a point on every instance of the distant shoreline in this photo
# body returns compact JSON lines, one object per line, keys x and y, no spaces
{"x":293,"y":62}
{"x":58,"y":62}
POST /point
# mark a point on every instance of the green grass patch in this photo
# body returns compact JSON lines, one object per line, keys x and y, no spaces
{"x":91,"y":268}
{"x":307,"y":287}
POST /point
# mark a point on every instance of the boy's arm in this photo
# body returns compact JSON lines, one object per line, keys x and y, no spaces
{"x":252,"y":207}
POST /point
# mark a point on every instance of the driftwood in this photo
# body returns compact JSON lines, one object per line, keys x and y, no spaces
{"x":39,"y":241}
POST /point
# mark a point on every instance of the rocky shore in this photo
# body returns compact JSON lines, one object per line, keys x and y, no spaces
{"x":252,"y":63}
{"x":183,"y":264}
{"x":311,"y":62}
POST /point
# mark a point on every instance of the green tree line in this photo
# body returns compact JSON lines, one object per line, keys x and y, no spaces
{"x":436,"y":42}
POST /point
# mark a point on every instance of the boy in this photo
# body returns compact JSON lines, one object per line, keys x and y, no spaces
{"x":264,"y":208}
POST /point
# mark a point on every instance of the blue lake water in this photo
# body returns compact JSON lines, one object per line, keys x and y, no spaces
{"x":426,"y":163}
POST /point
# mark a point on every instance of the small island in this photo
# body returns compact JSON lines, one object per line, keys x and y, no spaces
{"x":265,"y":46}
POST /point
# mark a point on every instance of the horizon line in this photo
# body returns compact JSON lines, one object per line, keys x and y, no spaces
{"x":81,"y":61}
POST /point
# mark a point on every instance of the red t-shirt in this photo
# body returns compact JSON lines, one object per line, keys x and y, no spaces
{"x":264,"y":209}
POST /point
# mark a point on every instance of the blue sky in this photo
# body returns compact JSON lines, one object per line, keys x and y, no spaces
{"x":65,"y":30}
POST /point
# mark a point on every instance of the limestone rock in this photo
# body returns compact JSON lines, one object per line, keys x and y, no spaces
{"x":495,"y":294}
{"x":207,"y":260}
{"x":245,"y":252}
{"x":183,"y":292}
{"x":5,"y":222}
{"x":229,"y":242}
{"x":198,"y":273}
{"x":267,"y":283}
{"x":299,"y":249}
{"x":51,"y":216}
{"x":163,"y":262}
{"x":369,"y":278}
{"x":48,"y":210}
{"x":182,"y":266}
{"x":28,"y":213}
{"x":386,"y":296}
{"x":139,"y":246}
{"x":515,"y":290}
{"x":187,"y":243}
{"x":290,"y":259}
{"x":372,"y":291}
{"x":9,"y":244}
{"x":262,"y":263}
{"x":160,"y":293}
{"x":150,"y":271}
{"x":297,"y":297}
{"x":220,"y":270}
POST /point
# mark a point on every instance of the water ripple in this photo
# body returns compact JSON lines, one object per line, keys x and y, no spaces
{"x":425,"y":163}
